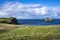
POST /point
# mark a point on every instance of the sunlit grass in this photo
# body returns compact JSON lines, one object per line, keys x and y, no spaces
{"x":20,"y":32}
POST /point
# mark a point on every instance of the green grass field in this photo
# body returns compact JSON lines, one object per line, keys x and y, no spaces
{"x":20,"y":32}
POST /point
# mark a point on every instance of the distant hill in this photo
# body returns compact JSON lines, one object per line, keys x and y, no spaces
{"x":10,"y":20}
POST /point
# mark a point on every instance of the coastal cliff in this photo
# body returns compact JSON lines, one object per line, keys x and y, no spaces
{"x":10,"y":20}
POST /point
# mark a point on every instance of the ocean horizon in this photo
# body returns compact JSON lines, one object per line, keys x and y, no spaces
{"x":38,"y":22}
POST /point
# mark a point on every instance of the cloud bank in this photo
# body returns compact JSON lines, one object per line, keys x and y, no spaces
{"x":28,"y":11}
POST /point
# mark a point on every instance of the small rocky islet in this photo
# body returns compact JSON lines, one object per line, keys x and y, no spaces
{"x":48,"y":19}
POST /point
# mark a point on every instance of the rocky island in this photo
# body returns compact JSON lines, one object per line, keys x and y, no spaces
{"x":48,"y":19}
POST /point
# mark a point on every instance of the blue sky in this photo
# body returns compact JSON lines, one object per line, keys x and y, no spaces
{"x":44,"y":2}
{"x":30,"y":9}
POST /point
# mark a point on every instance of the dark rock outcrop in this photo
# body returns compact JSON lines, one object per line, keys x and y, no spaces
{"x":48,"y":19}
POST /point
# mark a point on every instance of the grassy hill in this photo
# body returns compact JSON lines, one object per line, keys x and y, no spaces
{"x":10,"y":20}
{"x":20,"y":32}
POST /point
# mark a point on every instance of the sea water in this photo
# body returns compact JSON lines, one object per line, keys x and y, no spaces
{"x":38,"y":22}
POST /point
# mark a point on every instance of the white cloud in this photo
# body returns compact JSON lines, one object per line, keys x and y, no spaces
{"x":41,"y":10}
{"x":20,"y":10}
